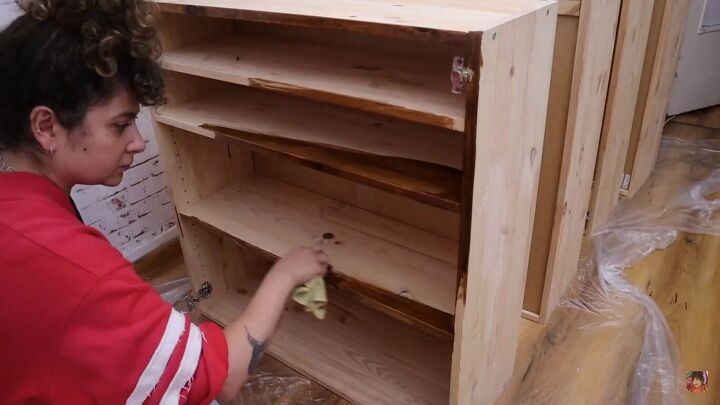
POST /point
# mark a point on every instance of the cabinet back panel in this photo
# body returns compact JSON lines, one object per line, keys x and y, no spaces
{"x":418,"y":215}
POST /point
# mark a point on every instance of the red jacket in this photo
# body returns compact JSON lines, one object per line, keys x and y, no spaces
{"x":78,"y":325}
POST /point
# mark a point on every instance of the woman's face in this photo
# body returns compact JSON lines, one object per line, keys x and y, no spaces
{"x":101,"y":148}
{"x":697,"y":382}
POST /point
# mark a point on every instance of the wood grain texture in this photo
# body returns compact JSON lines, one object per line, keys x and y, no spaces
{"x":420,"y":317}
{"x":591,"y":75}
{"x":416,"y":89}
{"x":165,"y":263}
{"x":555,"y":126}
{"x":570,"y":365}
{"x":420,"y":19}
{"x":418,"y":215}
{"x":650,"y":51}
{"x":472,"y":93}
{"x":183,"y":152}
{"x":274,"y":217}
{"x":690,"y":132}
{"x":663,"y":72}
{"x":424,"y":182}
{"x":632,"y":37}
{"x":514,"y":78}
{"x":257,"y":112}
{"x":341,"y":142}
{"x":684,"y":281}
{"x":358,"y":353}
{"x":599,"y":353}
{"x":567,"y":7}
{"x":178,"y":30}
{"x":707,"y":118}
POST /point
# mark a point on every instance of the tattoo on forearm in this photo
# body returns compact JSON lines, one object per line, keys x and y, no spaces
{"x":258,"y":348}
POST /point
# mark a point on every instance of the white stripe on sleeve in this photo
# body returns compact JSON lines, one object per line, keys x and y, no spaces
{"x":159,"y":360}
{"x":188,"y":364}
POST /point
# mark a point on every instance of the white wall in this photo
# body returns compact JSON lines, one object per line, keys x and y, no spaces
{"x":697,"y":84}
{"x":136,"y":216}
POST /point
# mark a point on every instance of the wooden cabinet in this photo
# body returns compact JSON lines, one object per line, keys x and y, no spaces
{"x":405,"y":135}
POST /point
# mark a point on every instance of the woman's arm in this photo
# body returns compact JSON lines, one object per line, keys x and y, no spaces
{"x":248,"y":336}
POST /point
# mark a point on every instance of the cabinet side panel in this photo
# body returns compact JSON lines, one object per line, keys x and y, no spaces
{"x":512,"y":109}
{"x":558,"y":106}
{"x":632,"y":38}
{"x":197,"y":167}
{"x":591,"y":75}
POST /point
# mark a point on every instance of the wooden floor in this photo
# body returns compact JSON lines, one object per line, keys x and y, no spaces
{"x":580,"y":357}
{"x":684,"y":279}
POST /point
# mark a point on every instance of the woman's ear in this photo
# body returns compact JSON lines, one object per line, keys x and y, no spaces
{"x":42,"y":124}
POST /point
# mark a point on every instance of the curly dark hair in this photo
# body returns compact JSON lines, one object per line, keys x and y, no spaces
{"x":69,"y":55}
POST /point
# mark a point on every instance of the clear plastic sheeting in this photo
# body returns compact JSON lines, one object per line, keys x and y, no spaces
{"x":608,"y":341}
{"x":266,"y":388}
{"x":175,"y":291}
{"x":679,"y":197}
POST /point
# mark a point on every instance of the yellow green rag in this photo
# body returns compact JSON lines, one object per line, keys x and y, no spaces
{"x":313,"y":296}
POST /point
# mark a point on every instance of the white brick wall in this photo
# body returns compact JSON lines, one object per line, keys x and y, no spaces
{"x":136,"y":216}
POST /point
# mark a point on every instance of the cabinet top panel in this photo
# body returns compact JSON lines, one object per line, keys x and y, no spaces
{"x":433,"y":19}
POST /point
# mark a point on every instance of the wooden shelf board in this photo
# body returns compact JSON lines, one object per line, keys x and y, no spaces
{"x":421,"y":317}
{"x":412,"y":89}
{"x":410,"y":160}
{"x":360,"y":354}
{"x":431,"y":184}
{"x":287,"y":117}
{"x":276,"y":217}
{"x":449,"y":21}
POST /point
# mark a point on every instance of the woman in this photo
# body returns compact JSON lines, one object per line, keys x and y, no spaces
{"x":79,"y":326}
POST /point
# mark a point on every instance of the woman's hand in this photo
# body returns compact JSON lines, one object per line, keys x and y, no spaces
{"x":249,"y":334}
{"x":302,"y":264}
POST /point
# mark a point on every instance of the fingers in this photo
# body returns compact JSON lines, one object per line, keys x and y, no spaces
{"x":319,"y":255}
{"x":322,"y":257}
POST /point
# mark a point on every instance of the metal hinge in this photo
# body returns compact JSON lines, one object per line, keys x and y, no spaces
{"x":625,"y":186}
{"x":461,"y":75}
{"x":191,"y":300}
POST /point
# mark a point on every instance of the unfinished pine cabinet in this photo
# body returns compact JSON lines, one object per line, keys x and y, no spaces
{"x":406,"y":136}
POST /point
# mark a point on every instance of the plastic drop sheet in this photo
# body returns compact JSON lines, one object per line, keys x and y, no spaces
{"x":280,"y":388}
{"x":604,"y":316}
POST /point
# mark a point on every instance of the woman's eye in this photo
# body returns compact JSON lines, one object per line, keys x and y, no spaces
{"x":121,"y":126}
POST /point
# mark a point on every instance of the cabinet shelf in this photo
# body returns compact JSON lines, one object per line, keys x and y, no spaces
{"x":412,"y":89}
{"x":275,"y":217}
{"x":411,"y":160}
{"x":356,"y":352}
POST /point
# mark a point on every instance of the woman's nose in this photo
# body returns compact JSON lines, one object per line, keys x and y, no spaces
{"x":137,"y":144}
